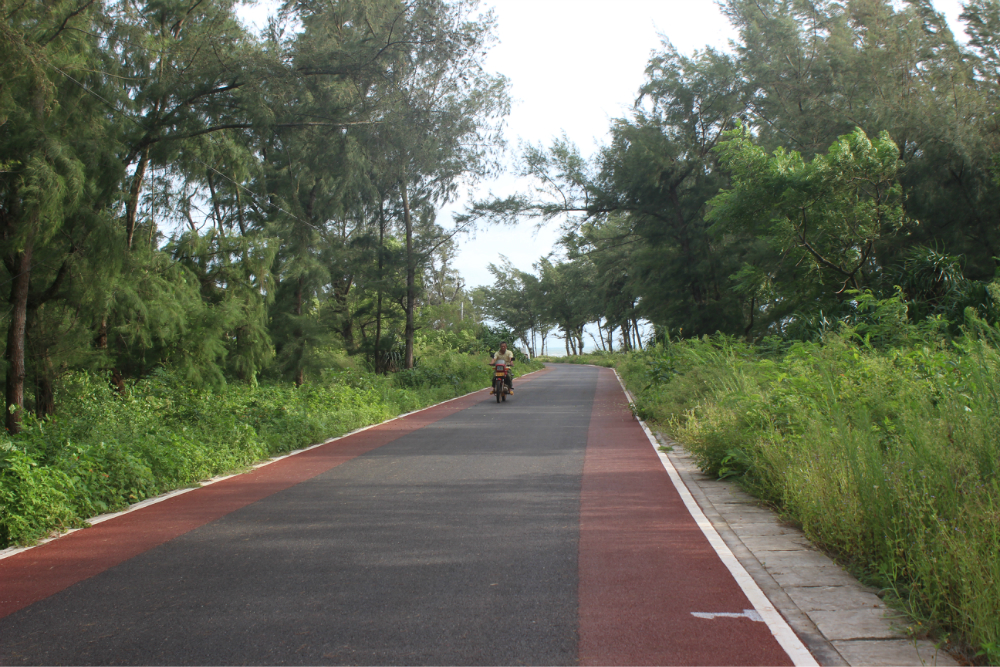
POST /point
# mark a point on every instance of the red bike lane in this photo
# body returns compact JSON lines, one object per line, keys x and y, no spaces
{"x":645,"y":565}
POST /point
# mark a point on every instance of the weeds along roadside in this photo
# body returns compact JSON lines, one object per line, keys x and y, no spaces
{"x":105,"y":451}
{"x":887,"y":457}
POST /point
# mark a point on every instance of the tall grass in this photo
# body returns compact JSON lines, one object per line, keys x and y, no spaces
{"x":104,"y":450}
{"x":888,"y":458}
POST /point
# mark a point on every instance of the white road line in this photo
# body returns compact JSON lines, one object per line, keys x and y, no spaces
{"x":746,"y":613}
{"x":782,"y":632}
{"x":13,"y":551}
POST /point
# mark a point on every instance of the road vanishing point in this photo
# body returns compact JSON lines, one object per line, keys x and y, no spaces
{"x":543,"y":530}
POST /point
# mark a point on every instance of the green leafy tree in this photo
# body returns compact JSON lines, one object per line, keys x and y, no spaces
{"x":826,"y":221}
{"x":567,"y":298}
{"x":52,"y":186}
{"x":512,"y":301}
{"x":821,"y":69}
{"x":442,"y":122}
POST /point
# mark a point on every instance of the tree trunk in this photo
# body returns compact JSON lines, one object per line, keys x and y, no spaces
{"x":35,"y":337}
{"x":626,"y":338}
{"x":378,"y":308}
{"x":347,"y":332}
{"x":635,"y":328}
{"x":378,"y":334}
{"x":101,"y":343}
{"x":118,"y":380}
{"x":749,"y":328}
{"x":341,"y":290}
{"x":411,"y":279}
{"x":101,"y":340}
{"x":133,"y":197}
{"x":45,"y":395}
{"x":300,"y":376}
{"x":239,"y":211}
{"x":15,"y":337}
{"x":217,"y":213}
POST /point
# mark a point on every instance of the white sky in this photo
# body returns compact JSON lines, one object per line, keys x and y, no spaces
{"x":574,"y":65}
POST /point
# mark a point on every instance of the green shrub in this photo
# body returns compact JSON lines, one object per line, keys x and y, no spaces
{"x":33,"y":499}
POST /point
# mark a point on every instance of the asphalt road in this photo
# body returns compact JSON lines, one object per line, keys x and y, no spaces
{"x":538,"y":531}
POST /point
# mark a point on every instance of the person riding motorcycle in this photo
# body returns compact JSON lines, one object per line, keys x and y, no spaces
{"x":507,"y":357}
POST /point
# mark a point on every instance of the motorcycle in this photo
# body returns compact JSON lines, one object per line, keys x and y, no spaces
{"x":500,"y":387}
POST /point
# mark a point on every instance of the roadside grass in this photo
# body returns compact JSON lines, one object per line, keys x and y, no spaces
{"x":104,"y":451}
{"x":889,"y":458}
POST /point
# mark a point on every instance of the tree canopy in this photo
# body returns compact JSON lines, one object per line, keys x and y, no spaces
{"x":177,"y":191}
{"x":842,"y":149}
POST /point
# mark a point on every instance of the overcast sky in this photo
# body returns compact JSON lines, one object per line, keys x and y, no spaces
{"x":574,"y":65}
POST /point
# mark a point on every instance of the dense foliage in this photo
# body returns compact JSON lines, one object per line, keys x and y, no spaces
{"x":840,"y":148}
{"x":179,"y":194}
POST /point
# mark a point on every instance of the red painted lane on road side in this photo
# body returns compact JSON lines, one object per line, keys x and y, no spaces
{"x":645,"y":565}
{"x":35,"y":574}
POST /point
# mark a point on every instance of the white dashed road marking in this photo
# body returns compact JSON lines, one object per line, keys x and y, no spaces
{"x":752,"y":614}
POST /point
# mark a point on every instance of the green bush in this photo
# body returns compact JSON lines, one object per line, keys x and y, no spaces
{"x":34,"y":500}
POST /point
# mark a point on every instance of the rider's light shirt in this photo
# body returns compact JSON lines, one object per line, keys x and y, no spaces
{"x":507,"y":357}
